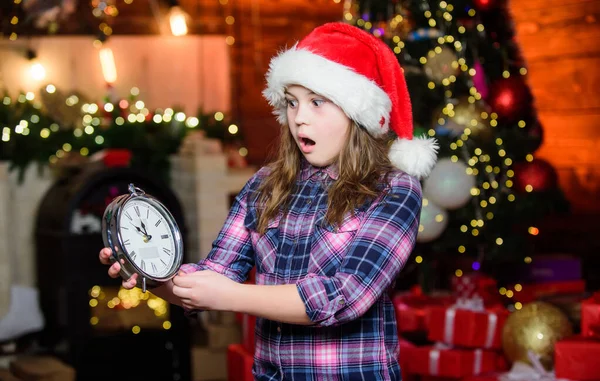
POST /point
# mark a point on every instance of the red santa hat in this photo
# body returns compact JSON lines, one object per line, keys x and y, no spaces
{"x":359,"y":73}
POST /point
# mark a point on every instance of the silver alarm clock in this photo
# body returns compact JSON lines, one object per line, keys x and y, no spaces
{"x":144,"y":238}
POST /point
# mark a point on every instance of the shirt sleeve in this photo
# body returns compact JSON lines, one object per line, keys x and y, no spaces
{"x":378,"y":252}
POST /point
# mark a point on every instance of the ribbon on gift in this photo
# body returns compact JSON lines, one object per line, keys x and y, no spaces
{"x":474,"y":304}
{"x":524,"y":372}
{"x":434,"y":359}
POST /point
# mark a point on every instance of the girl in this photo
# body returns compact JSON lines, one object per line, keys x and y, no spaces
{"x":329,"y":224}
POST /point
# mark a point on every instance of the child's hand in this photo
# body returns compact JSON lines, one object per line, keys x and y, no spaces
{"x":204,"y":289}
{"x":113,"y":271}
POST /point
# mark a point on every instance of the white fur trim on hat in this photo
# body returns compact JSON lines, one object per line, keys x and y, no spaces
{"x":416,"y":157}
{"x":360,"y":98}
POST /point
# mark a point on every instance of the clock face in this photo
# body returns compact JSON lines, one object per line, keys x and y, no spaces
{"x":147,"y":237}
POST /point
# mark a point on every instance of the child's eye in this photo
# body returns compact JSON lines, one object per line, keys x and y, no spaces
{"x":292,"y":103}
{"x":318,"y":102}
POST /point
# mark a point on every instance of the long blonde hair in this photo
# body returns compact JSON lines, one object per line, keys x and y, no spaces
{"x":361,"y":163}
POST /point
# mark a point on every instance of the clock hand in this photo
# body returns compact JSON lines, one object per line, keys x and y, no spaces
{"x":148,"y":236}
{"x":144,"y":227}
{"x":139,"y":230}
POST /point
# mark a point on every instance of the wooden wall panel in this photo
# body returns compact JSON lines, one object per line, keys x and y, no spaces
{"x":262,"y":29}
{"x":569,"y":84}
{"x":560,"y":41}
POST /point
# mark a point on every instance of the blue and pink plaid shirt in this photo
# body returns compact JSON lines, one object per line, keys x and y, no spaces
{"x":342,"y":275}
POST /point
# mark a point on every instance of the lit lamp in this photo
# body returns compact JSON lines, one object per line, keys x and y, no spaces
{"x":109,"y":69}
{"x":177,"y":19}
{"x":36,"y":69}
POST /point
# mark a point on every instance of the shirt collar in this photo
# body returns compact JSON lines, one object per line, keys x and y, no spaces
{"x":308,"y":170}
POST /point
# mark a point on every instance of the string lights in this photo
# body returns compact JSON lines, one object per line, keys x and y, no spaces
{"x":125,"y":301}
{"x":229,"y":21}
{"x":97,"y":119}
{"x":451,"y":63}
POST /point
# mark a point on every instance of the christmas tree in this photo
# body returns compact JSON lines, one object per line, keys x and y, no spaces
{"x":468,"y":85}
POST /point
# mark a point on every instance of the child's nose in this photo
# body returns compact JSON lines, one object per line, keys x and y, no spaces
{"x":302,"y":114}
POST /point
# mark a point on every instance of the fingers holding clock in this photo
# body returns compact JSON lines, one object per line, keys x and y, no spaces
{"x":105,"y":255}
{"x":114,"y":272}
{"x":131,"y":282}
{"x":205,"y":289}
{"x":114,"y":269}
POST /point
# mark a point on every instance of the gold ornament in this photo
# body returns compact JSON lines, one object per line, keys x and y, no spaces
{"x":465,"y":115}
{"x":536,"y":327}
{"x":442,"y":65}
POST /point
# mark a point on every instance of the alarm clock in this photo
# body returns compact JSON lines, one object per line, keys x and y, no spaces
{"x":144,"y":238}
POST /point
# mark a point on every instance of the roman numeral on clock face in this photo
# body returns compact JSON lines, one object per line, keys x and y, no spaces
{"x":128,"y":216}
{"x":164,"y":236}
{"x":137,"y":210}
{"x":153,"y":267}
{"x":166,"y":250}
{"x":126,"y":242}
{"x":133,"y":255}
{"x":143,"y":265}
{"x":157,"y":222}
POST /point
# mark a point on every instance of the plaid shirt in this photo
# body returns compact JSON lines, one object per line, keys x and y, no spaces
{"x":342,"y":275}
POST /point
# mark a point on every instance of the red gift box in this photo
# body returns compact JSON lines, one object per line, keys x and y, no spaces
{"x":576,"y":358}
{"x":532,"y":292}
{"x":590,"y":317}
{"x":476,"y":285}
{"x":466,"y":328}
{"x":239,"y":363}
{"x":411,"y":309}
{"x":431,"y":361}
{"x":491,"y":376}
{"x":404,"y":359}
{"x":248,"y":332}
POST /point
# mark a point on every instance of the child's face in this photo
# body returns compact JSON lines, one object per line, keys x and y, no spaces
{"x":318,"y":126}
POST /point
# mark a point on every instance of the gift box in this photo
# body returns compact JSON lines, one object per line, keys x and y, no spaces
{"x":531,"y":292}
{"x":411,"y":309}
{"x":434,"y":361}
{"x":467,"y":328}
{"x":239,"y":363}
{"x":404,"y":359}
{"x":576,"y":358}
{"x":590,"y":316}
{"x":492,"y":376}
{"x":476,"y":286}
{"x":248,"y":332}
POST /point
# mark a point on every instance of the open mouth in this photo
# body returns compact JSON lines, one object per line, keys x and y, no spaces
{"x":306,"y":144}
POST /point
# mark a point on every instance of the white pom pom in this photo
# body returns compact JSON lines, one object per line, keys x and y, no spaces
{"x":416,"y":157}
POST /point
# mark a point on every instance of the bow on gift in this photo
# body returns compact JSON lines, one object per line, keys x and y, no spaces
{"x":523,"y":372}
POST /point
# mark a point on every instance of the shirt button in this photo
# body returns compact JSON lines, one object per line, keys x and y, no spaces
{"x":309,"y":201}
{"x":279,"y":329}
{"x":341,"y":302}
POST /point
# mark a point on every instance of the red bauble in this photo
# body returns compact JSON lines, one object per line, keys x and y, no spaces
{"x":484,"y":5}
{"x":510,"y":98}
{"x":538,"y":173}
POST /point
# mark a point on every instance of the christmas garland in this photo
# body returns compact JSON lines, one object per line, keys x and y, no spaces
{"x":55,"y":127}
